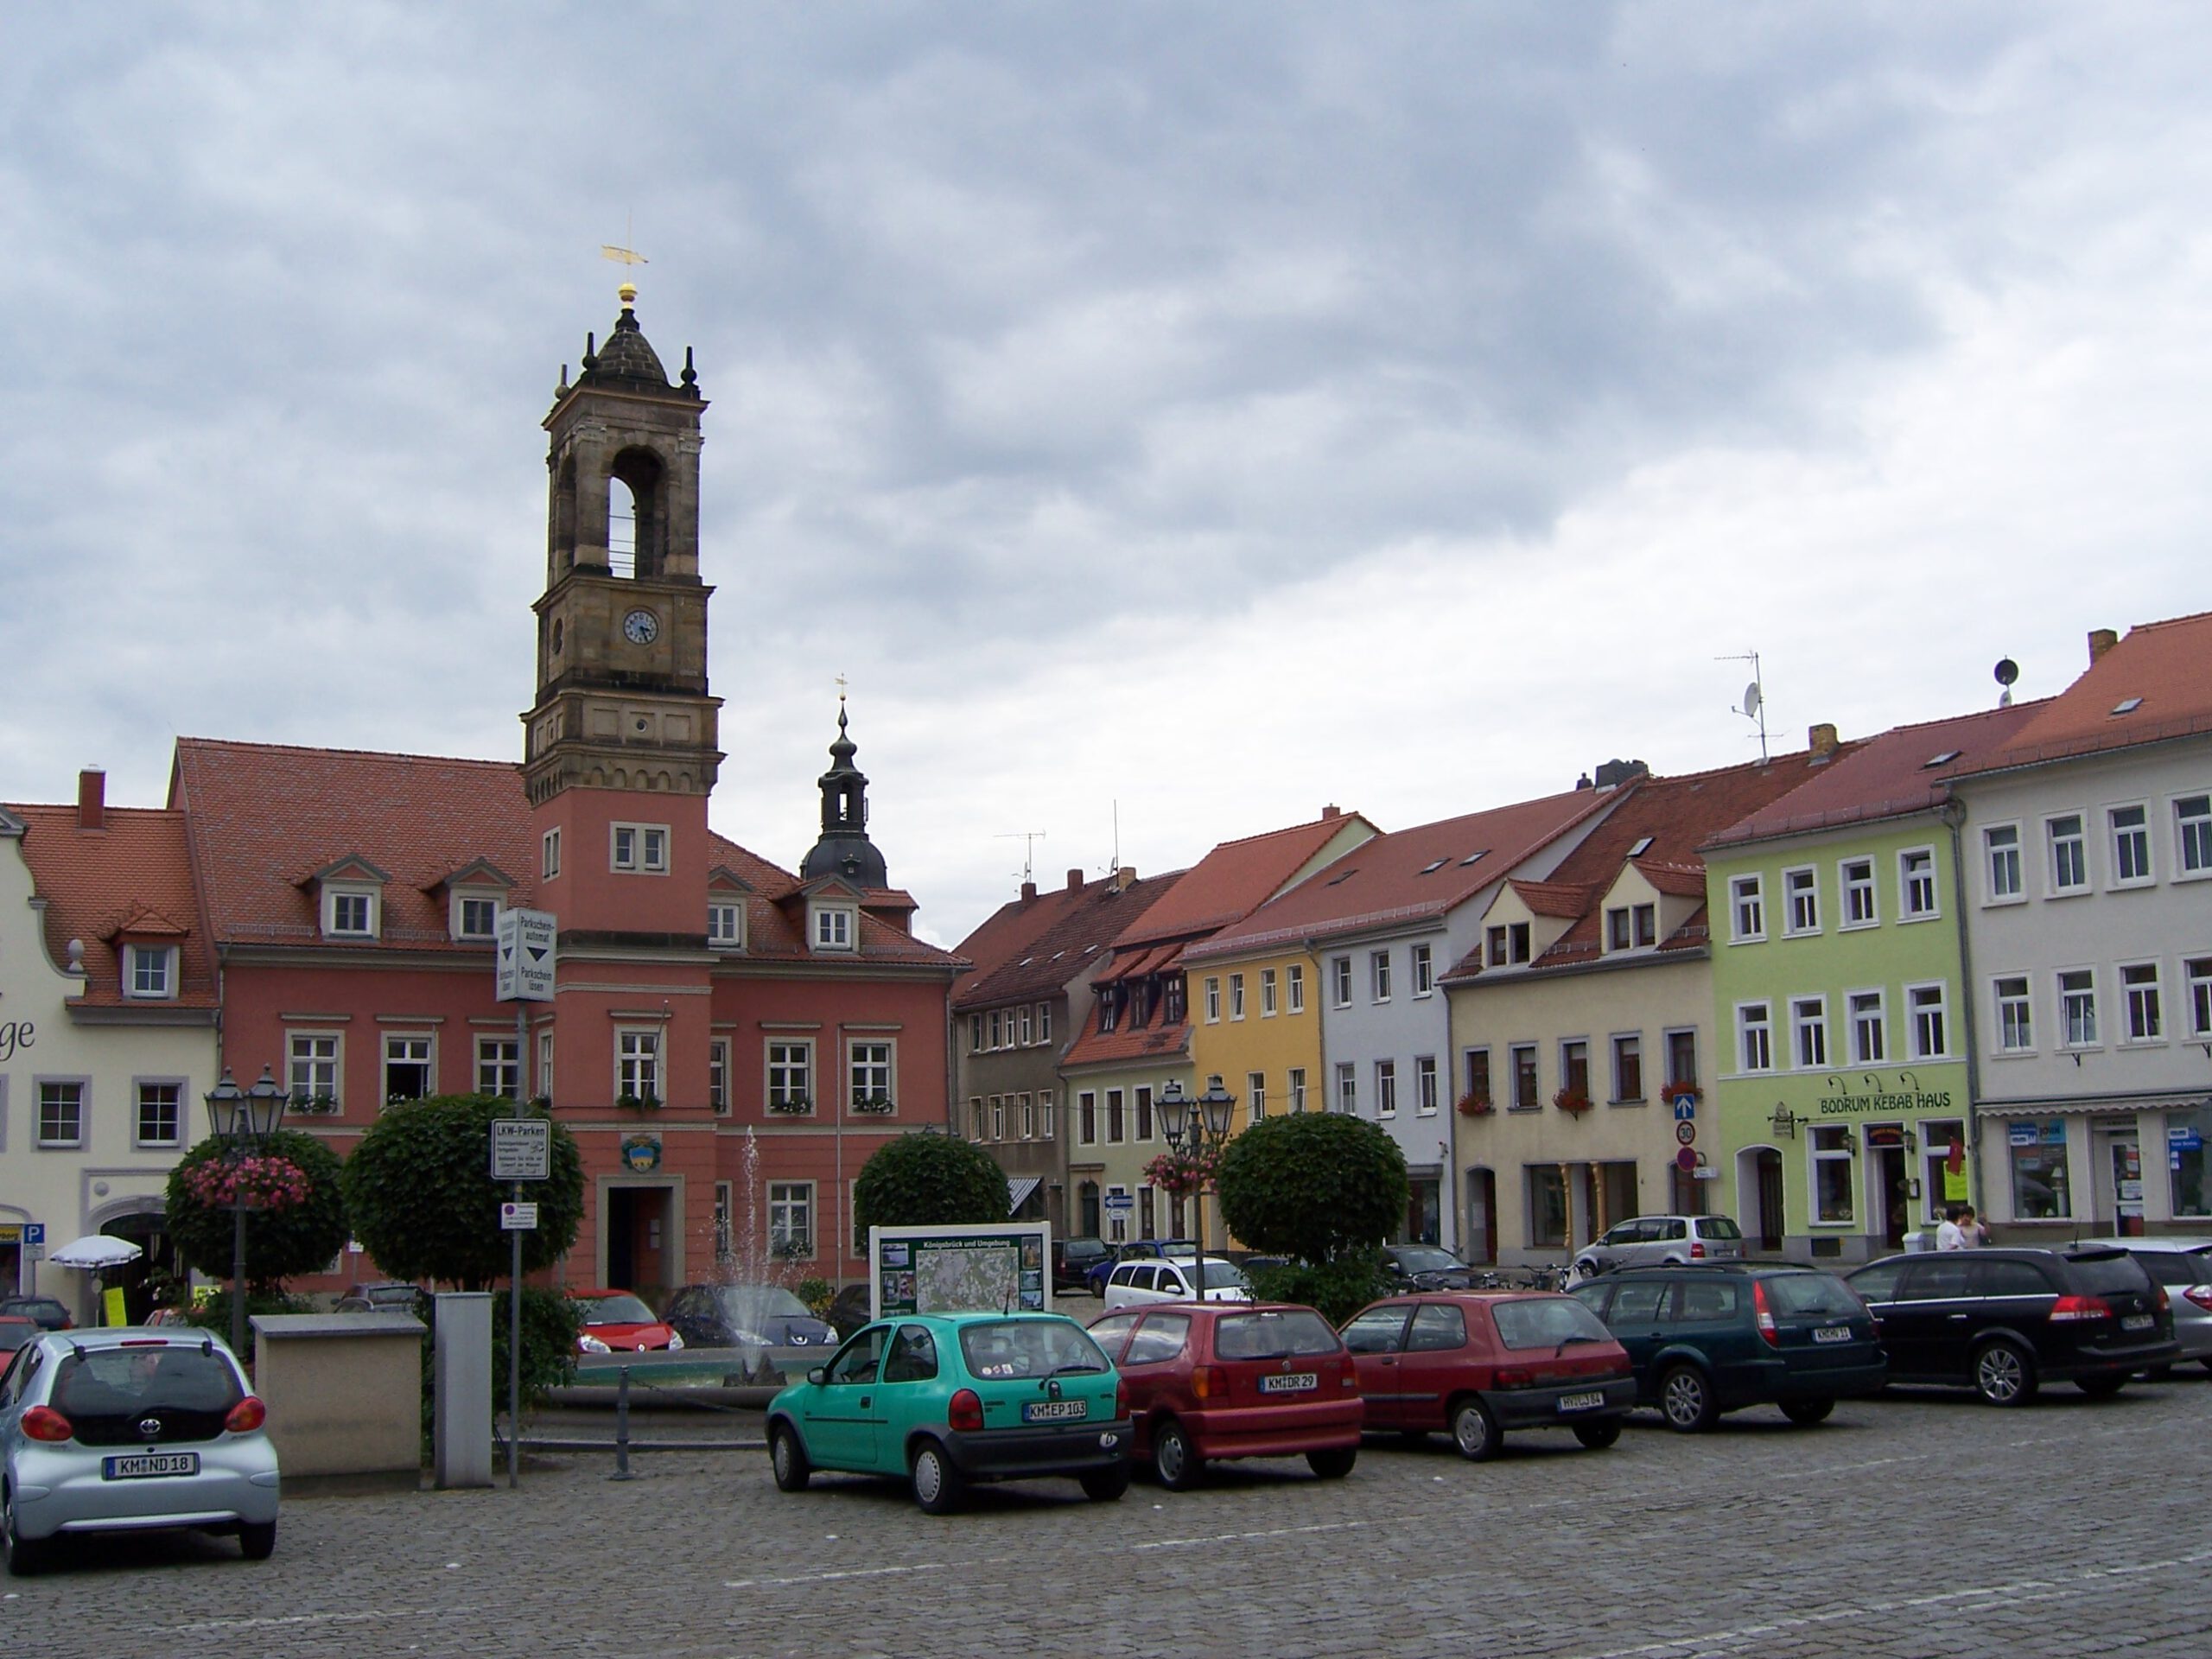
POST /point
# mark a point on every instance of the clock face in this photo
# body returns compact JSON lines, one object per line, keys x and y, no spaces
{"x":641,"y":628}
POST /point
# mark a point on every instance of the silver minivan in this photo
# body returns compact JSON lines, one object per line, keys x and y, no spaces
{"x":1661,"y":1240}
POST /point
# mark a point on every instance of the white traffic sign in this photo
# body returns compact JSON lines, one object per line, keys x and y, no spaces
{"x":522,"y":955}
{"x":1685,"y":1132}
{"x":522,"y":1148}
{"x":517,"y":1218}
{"x":1119,"y":1201}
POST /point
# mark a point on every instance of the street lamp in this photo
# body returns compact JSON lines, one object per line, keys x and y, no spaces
{"x":1203,"y":1119}
{"x":242,"y":1118}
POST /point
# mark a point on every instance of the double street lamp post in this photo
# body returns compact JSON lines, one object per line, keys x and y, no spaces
{"x":1204,"y":1121}
{"x":242,"y":1119}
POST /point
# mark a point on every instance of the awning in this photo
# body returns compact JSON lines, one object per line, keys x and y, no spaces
{"x":1018,"y":1189}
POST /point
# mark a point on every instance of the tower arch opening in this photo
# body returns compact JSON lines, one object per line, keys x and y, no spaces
{"x":638,"y":545}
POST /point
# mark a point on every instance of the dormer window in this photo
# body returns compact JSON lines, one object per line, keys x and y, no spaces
{"x":835,"y":927}
{"x":349,"y":912}
{"x":725,"y":926}
{"x":149,"y":971}
{"x":475,"y":916}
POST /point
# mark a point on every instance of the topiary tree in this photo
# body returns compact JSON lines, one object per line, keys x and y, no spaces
{"x":1313,"y":1185}
{"x":299,"y":1225}
{"x":423,"y":1203}
{"x":929,"y":1179}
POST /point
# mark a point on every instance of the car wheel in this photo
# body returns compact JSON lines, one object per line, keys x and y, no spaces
{"x":788,"y":1457}
{"x":1598,"y":1436}
{"x":937,"y":1485}
{"x":1334,"y":1464}
{"x":2102,"y":1387}
{"x":1686,"y":1401}
{"x":1105,"y":1485}
{"x":24,"y":1557}
{"x":257,"y":1540}
{"x":1475,"y":1432}
{"x":1174,"y":1460}
{"x":1806,"y":1413}
{"x":2003,"y":1374}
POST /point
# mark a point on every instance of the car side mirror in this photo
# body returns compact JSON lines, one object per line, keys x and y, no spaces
{"x":818,"y":1375}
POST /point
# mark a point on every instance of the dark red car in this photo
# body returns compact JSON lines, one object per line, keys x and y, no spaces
{"x":1233,"y":1380}
{"x":616,"y":1322}
{"x":1479,"y":1363}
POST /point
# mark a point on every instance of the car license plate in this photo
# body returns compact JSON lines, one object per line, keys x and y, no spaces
{"x":1833,"y":1333}
{"x":2137,"y":1322}
{"x":141,"y":1465}
{"x":1290,"y":1383}
{"x":1580,"y":1402}
{"x":1054,"y":1411}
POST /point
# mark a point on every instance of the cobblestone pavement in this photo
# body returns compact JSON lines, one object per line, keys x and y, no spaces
{"x":1916,"y":1525}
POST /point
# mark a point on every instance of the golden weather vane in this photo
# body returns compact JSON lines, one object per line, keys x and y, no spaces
{"x":624,"y":254}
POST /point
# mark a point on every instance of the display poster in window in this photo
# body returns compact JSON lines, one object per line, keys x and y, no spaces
{"x":960,"y":1269}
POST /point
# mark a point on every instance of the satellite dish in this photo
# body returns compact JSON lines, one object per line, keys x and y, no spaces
{"x":1750,"y":709}
{"x":2008,"y":671}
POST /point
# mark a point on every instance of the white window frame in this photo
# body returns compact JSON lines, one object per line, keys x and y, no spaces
{"x":2003,"y":871}
{"x":80,"y":1108}
{"x":1268,"y":1001}
{"x":1386,"y":1088}
{"x":1378,"y":976}
{"x":718,"y":1076}
{"x":1237,"y":996}
{"x":549,"y":854}
{"x":1340,"y":980}
{"x":1910,"y":878}
{"x":638,"y":1062}
{"x":2129,"y":843}
{"x":1754,"y":1038}
{"x":2078,"y":839}
{"x":158,"y":985}
{"x":2139,"y":1009}
{"x":1296,"y":1090}
{"x":1866,"y":1009}
{"x":998,"y":1117}
{"x":1918,"y":1007}
{"x":1044,"y":1022}
{"x":875,"y":1073}
{"x":1809,"y":1032}
{"x":1044,"y":1128}
{"x":2196,"y":981}
{"x":492,"y":1063}
{"x":1028,"y":1024}
{"x":1425,"y":1084}
{"x":344,"y":894}
{"x":1424,"y":970}
{"x":389,"y":1055}
{"x":1294,"y":987}
{"x":2077,"y":1036}
{"x":725,"y":924}
{"x":790,"y":1220}
{"x":787,"y":1075}
{"x":636,"y":849}
{"x":2192,"y":837}
{"x":2012,"y":1014}
{"x":484,"y":906}
{"x":1747,"y":909}
{"x":836,"y":927}
{"x":1028,"y":1105}
{"x":545,"y":1064}
{"x":1213,"y":998}
{"x":1348,"y":1088}
{"x":1858,"y":902}
{"x":180,"y":1109}
{"x":1801,"y":901}
{"x":1256,"y":1097}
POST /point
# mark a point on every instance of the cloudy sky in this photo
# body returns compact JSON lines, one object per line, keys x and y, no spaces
{"x":1199,"y":412}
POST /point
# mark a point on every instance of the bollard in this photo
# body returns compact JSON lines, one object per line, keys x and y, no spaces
{"x":621,"y":1425}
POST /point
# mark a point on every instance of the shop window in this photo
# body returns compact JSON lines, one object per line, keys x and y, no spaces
{"x":2039,"y":1183}
{"x":1829,"y":1150}
{"x":1547,"y":1207}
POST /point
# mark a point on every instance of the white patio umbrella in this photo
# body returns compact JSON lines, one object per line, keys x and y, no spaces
{"x":95,"y":1250}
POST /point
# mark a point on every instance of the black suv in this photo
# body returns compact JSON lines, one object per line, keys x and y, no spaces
{"x":1073,"y":1258}
{"x":2002,"y":1321}
{"x":1706,"y":1339}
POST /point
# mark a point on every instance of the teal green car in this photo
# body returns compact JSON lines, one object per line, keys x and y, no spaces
{"x":950,"y":1400}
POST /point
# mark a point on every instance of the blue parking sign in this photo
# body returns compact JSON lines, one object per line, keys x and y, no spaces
{"x":33,"y":1232}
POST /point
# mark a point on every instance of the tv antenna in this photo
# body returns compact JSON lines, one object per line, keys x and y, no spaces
{"x":1754,"y":704}
{"x":1029,"y":839}
{"x":2008,"y":672}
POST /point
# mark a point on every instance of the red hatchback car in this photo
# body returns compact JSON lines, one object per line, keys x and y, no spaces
{"x":1233,"y":1380}
{"x":1478,"y":1364}
{"x":616,"y":1322}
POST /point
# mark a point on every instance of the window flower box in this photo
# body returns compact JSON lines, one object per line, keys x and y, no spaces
{"x":1473,"y":1105}
{"x":1572,"y":1102}
{"x":638,"y":1103}
{"x":790,"y":1105}
{"x":875,"y":1106}
{"x":1669,"y":1093}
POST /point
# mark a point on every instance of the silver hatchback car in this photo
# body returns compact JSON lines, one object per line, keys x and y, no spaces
{"x":2183,"y":1266}
{"x":1661,"y":1240}
{"x":129,"y":1429}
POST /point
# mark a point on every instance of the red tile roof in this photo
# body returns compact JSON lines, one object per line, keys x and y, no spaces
{"x":130,"y":879}
{"x":1554,"y":898}
{"x":1225,"y":885}
{"x":1905,"y":770}
{"x":1409,"y":874}
{"x":2164,"y":669}
{"x":1035,"y":945}
{"x":1161,"y":1040}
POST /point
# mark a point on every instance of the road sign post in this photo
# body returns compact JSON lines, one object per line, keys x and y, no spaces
{"x":521,"y":1150}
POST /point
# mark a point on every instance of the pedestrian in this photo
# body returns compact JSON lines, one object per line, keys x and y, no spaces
{"x":1950,"y":1235}
{"x":1972,"y":1234}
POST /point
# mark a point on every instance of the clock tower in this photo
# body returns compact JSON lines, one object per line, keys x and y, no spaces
{"x":619,"y":753}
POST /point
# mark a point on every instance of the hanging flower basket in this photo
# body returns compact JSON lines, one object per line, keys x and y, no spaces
{"x":254,"y":1183}
{"x":1572,"y":1102}
{"x":1473,"y":1105}
{"x":1180,"y":1174}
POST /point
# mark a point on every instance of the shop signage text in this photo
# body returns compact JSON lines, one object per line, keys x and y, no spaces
{"x":14,"y":1034}
{"x":1907,"y":1096}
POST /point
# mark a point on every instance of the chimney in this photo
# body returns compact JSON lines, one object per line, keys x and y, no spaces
{"x":2101,"y":641}
{"x":1332,"y":810}
{"x":1125,"y":878}
{"x":1028,"y":891}
{"x":91,"y":798}
{"x":1617,"y":772}
{"x":1821,"y":740}
{"x":1075,"y":881}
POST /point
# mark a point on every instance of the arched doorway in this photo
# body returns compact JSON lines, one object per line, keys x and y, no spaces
{"x":1758,"y":1192}
{"x":1481,"y":1243}
{"x":141,"y":1221}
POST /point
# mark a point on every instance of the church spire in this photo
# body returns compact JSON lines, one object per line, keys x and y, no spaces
{"x":844,"y":848}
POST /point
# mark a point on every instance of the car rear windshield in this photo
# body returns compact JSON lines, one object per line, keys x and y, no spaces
{"x":113,"y":1381}
{"x":1428,"y":1258}
{"x":1276,"y":1333}
{"x":1717,"y":1227}
{"x":1816,"y":1295}
{"x":2109,"y":1271}
{"x":1028,"y":1348}
{"x":1546,"y":1322}
{"x":616,"y":1310}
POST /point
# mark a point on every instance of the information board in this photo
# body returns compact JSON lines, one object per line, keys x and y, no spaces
{"x":960,"y":1269}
